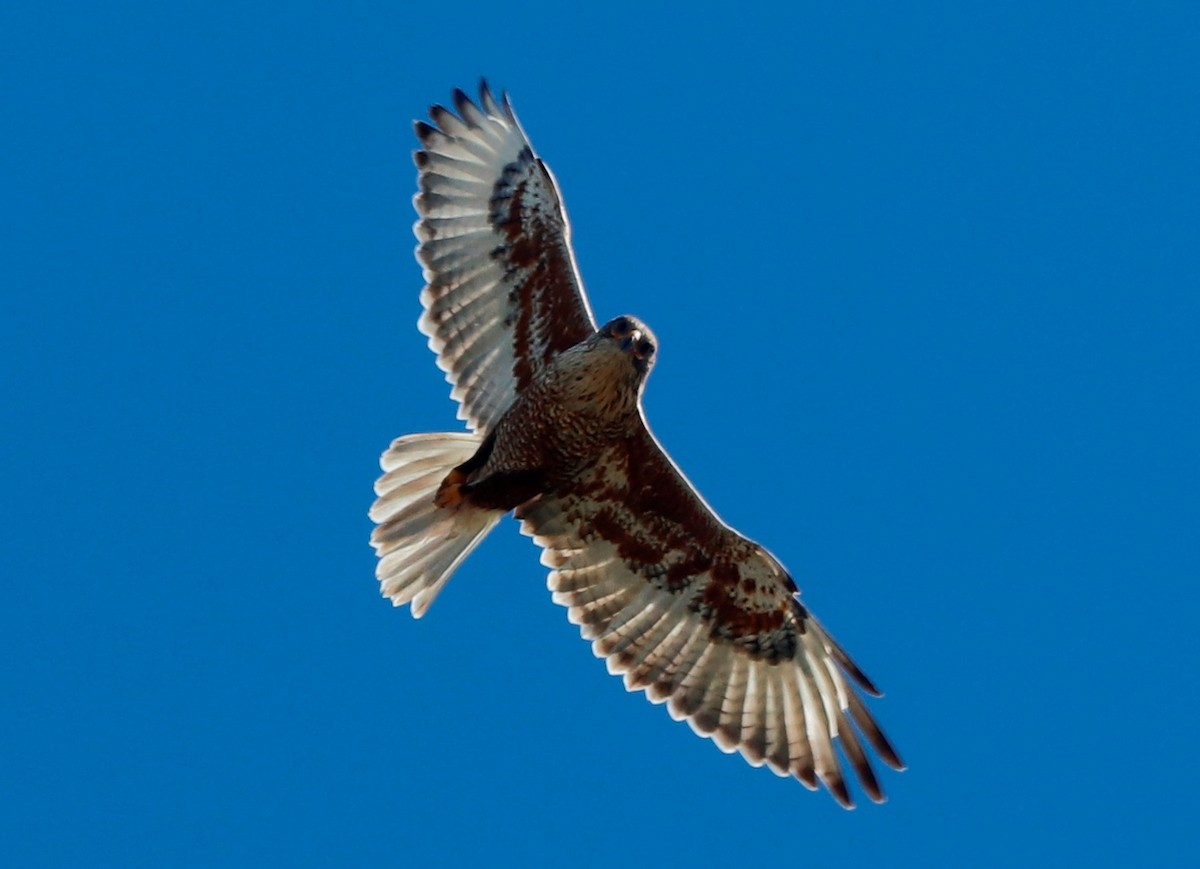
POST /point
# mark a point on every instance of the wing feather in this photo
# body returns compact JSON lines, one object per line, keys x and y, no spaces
{"x":503,"y":294}
{"x":701,"y":618}
{"x":659,"y":651}
{"x":822,"y":730}
{"x":779,"y":756}
{"x":753,"y":743}
{"x":801,"y":763}
{"x":733,"y":702}
{"x":673,"y":663}
{"x":699,"y":699}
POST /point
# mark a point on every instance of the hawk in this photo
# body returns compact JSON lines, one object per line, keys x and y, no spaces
{"x":683,"y":606}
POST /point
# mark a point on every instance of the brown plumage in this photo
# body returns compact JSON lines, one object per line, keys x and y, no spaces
{"x":687,"y":609}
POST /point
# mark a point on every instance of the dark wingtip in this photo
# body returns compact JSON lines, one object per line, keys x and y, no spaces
{"x":853,"y":750}
{"x":436,"y":112}
{"x":491,"y":105}
{"x":884,"y":747}
{"x":863,"y":681}
{"x":461,"y":100}
{"x":866,"y":777}
{"x":806,"y":775}
{"x":425,"y":131}
{"x":730,"y":734}
{"x":846,"y":662}
{"x":837,"y":787}
{"x":873,"y":732}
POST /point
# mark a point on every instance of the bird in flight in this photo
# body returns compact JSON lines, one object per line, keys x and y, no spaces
{"x":683,"y":606}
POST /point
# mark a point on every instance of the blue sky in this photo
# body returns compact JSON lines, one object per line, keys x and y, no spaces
{"x":926,"y":287}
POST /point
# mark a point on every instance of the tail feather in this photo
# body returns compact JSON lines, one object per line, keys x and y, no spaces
{"x":419,"y":544}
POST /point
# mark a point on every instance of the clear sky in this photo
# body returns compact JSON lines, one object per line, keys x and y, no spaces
{"x":927,"y":290}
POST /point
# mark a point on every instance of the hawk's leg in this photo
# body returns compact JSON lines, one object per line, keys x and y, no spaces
{"x":503,"y":490}
{"x":450,"y":492}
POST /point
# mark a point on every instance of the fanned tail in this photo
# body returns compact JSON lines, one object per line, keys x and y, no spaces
{"x":418,"y":543}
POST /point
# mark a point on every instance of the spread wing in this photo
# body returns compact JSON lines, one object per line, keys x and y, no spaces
{"x":502,"y":292}
{"x":703,"y":619}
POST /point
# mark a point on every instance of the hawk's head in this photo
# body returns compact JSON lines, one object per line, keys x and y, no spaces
{"x":635,"y":339}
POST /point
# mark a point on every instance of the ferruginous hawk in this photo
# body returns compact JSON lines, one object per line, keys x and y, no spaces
{"x":687,"y":609}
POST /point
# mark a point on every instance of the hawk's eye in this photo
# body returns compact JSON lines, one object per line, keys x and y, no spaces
{"x":645,"y":349}
{"x":621,"y":326}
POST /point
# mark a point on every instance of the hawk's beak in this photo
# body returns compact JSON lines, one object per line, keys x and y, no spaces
{"x":632,"y":345}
